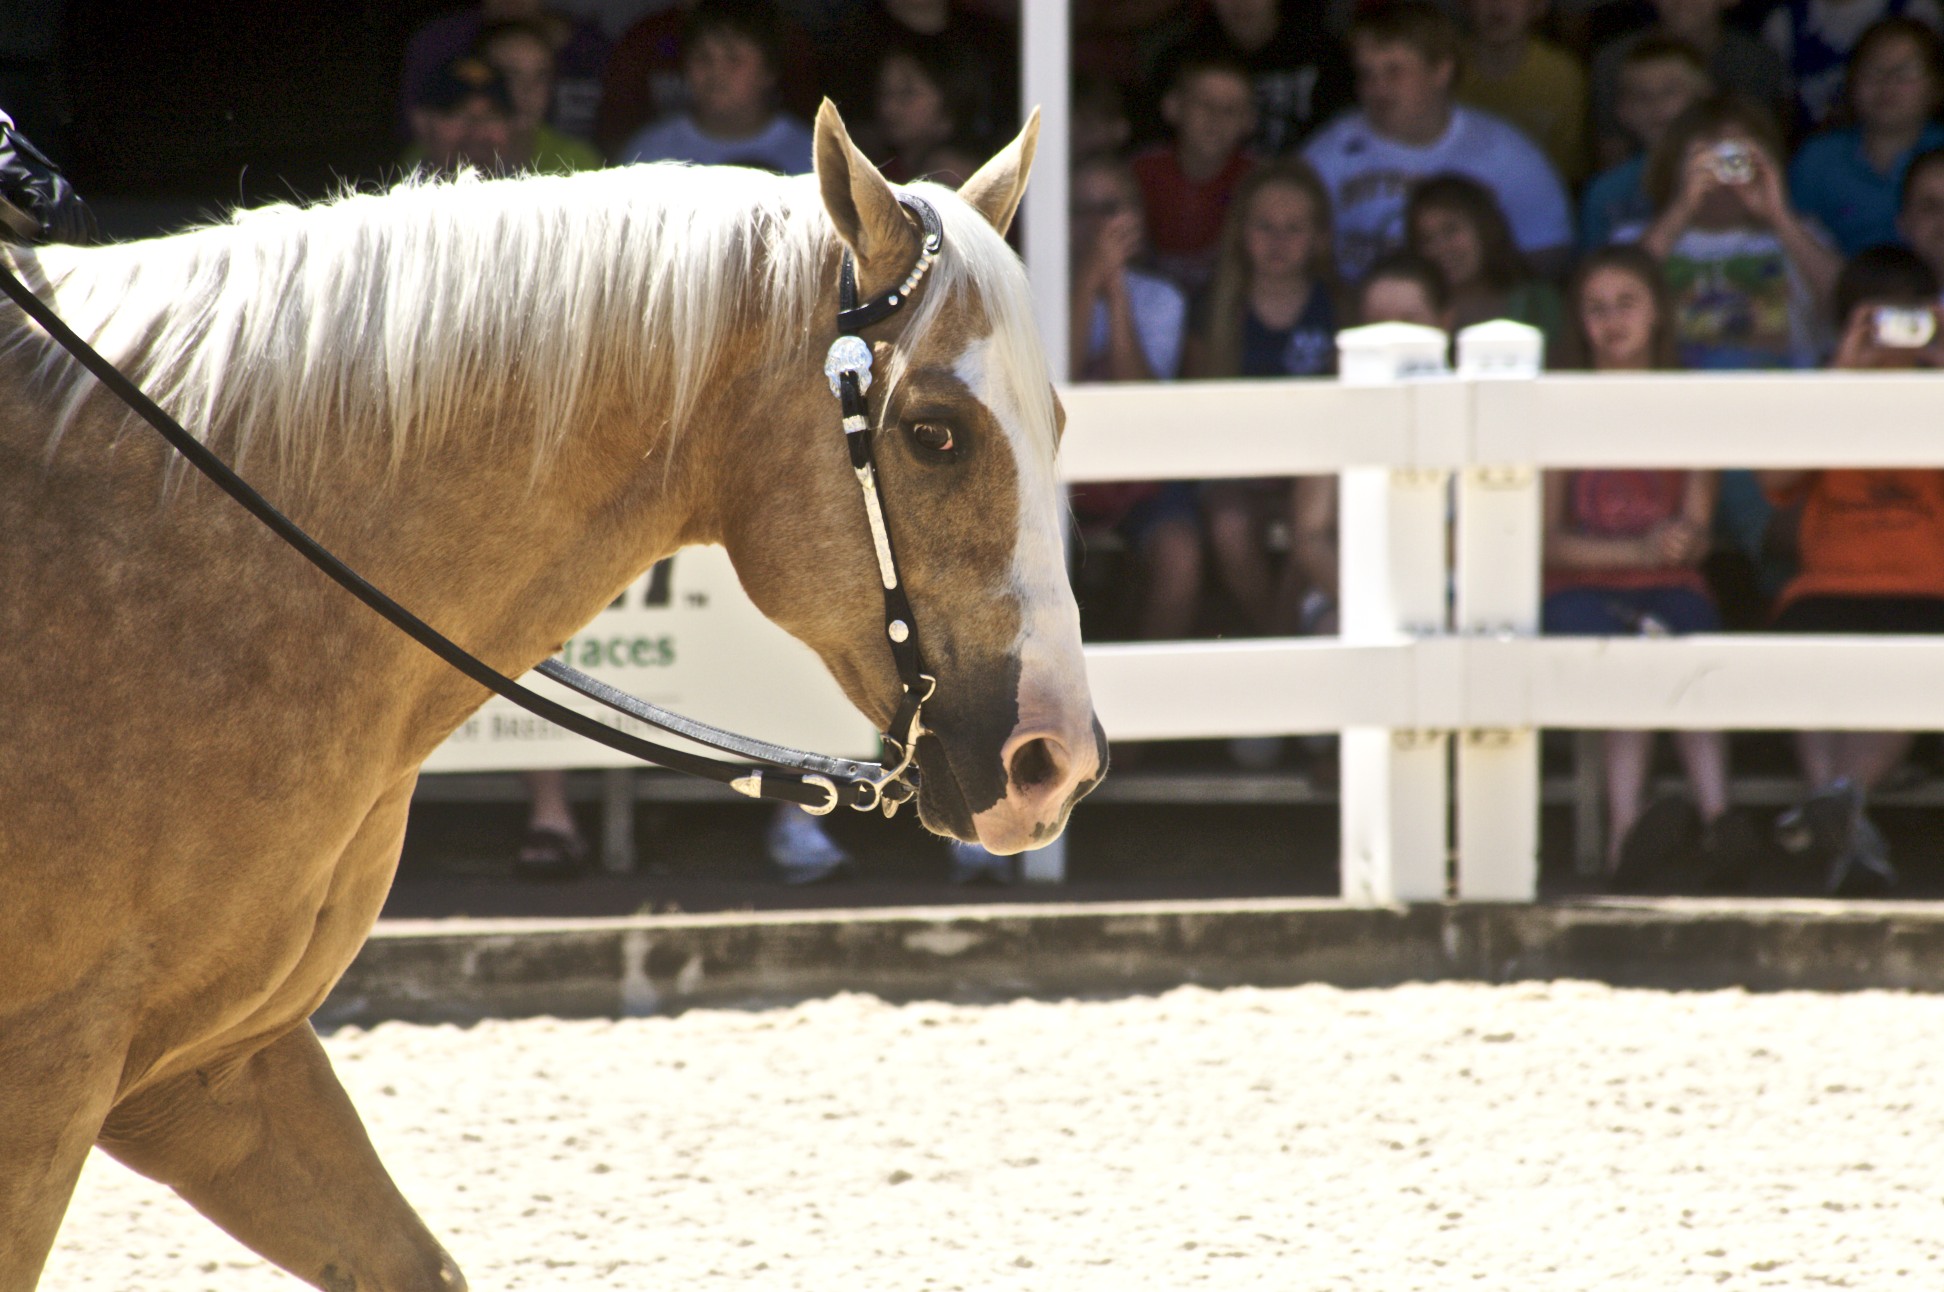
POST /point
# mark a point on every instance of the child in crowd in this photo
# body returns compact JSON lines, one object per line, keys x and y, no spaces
{"x":525,"y":57}
{"x":644,"y":80}
{"x":1871,"y":545}
{"x":1454,"y":222}
{"x":1749,"y":275}
{"x":1848,"y":178}
{"x":1405,"y":287}
{"x":1298,"y":67}
{"x":1621,"y":555}
{"x":1407,"y":126}
{"x":729,"y":62}
{"x":1187,"y":184}
{"x":580,"y":55}
{"x":916,"y":114}
{"x":1128,"y":325}
{"x":1269,"y":312}
{"x":463,"y":116}
{"x":1660,"y":78}
{"x":1920,"y":208}
{"x":1736,"y":60}
{"x":1817,"y":39}
{"x":1513,"y":73}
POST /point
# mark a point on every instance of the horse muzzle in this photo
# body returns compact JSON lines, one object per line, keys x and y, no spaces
{"x":1047,"y":771}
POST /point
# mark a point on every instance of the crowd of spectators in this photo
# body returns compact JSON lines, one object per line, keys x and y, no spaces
{"x":1698,"y":184}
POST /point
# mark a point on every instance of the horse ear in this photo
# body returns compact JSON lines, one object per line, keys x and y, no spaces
{"x":999,"y":184}
{"x":860,"y":202}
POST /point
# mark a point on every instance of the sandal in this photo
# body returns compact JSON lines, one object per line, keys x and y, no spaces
{"x":547,"y":855}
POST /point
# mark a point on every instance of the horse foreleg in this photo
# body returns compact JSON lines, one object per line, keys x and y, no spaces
{"x":276,"y":1155}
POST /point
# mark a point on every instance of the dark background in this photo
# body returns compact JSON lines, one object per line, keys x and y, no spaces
{"x":164,"y":111}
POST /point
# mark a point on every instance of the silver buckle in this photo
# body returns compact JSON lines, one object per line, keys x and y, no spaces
{"x":848,"y":354}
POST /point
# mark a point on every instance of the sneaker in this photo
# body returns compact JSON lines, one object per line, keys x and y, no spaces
{"x":800,"y":850}
{"x":1863,"y":869}
{"x":1731,"y":848}
{"x":972,"y":864}
{"x":1831,"y":826}
{"x":1658,"y":846}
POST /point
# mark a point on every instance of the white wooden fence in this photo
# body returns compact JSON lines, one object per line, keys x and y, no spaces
{"x":1439,"y":681}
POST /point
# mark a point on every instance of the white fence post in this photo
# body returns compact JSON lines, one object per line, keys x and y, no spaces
{"x":1498,"y":596}
{"x":1391,"y":555}
{"x":1045,"y":60}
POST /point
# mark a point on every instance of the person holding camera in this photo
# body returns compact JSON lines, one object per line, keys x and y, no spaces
{"x":1871,"y":560}
{"x":1750,"y":275}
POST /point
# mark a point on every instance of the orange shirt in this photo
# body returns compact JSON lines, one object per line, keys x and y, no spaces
{"x":1872,"y":533}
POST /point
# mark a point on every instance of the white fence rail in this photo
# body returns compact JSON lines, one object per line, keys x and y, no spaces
{"x":1439,"y":646}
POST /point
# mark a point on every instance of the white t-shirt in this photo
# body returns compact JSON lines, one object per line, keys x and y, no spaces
{"x":1160,"y":320}
{"x":783,"y":145}
{"x":1370,"y":175}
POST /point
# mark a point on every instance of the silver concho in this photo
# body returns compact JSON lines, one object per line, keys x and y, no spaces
{"x":848,"y":354}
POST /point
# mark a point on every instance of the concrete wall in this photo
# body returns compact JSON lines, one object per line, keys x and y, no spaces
{"x":461,"y":970}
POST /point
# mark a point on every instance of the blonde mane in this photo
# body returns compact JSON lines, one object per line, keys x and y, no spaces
{"x":390,"y":318}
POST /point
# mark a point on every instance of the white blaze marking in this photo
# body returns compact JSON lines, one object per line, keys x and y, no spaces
{"x":1052,"y":672}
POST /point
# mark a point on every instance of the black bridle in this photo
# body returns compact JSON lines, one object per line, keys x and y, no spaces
{"x":816,"y":782}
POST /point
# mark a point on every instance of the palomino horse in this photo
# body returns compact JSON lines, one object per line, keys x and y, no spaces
{"x":501,"y":401}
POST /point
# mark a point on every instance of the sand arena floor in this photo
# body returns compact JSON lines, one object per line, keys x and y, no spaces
{"x":1538,"y":1136}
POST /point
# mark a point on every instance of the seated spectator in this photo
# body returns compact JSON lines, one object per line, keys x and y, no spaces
{"x":1454,"y":223}
{"x":1128,"y":326}
{"x":1621,"y":555}
{"x":522,"y":55}
{"x":462,"y":117}
{"x":1298,"y":70}
{"x":1848,"y":178}
{"x":1749,"y":275}
{"x":1187,"y":183}
{"x":1515,"y":74}
{"x":975,"y":49}
{"x":1408,"y":126}
{"x":1404,"y":287}
{"x":1871,"y":550}
{"x":1738,"y":62}
{"x":1269,"y":312}
{"x":644,"y":80}
{"x":580,"y":56}
{"x":728,"y":60}
{"x":918,"y":111}
{"x":1816,"y":40}
{"x":1920,"y":208}
{"x":1660,"y":78}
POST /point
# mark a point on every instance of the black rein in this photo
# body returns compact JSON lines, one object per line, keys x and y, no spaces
{"x":817,"y":782}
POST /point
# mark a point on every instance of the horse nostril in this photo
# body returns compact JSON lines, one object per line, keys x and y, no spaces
{"x":1035,"y":763}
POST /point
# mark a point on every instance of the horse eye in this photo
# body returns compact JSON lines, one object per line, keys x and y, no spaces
{"x":933,"y":437}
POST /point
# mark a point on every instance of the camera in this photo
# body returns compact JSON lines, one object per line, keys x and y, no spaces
{"x":1903,"y":327}
{"x":1732,"y":162}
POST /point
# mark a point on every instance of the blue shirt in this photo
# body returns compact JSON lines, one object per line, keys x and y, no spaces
{"x":1832,"y":180}
{"x":1614,"y":198}
{"x":1306,"y":348}
{"x":782,"y":146}
{"x":1160,"y":321}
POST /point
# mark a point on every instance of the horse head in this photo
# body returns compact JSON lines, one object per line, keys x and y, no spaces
{"x":965,"y":426}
